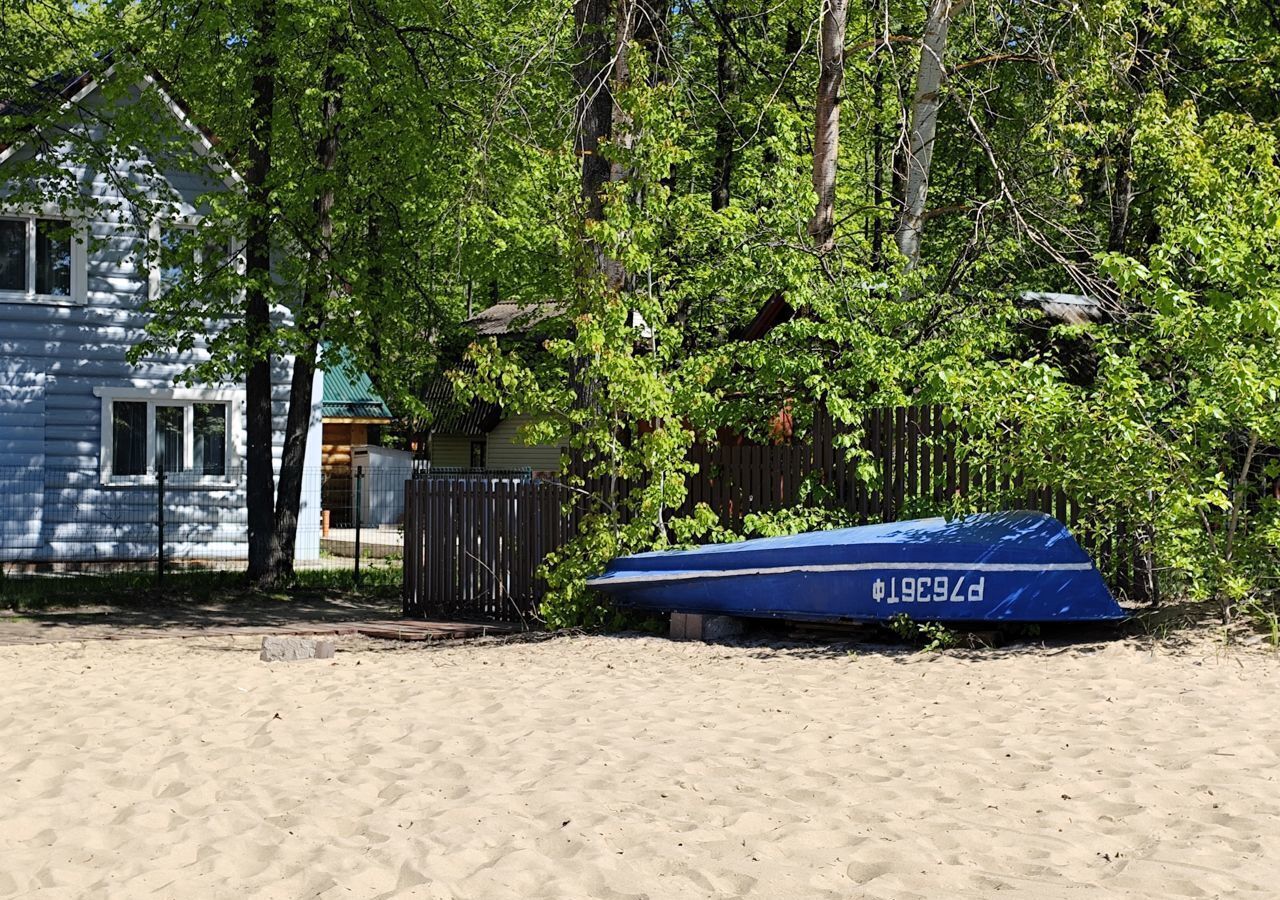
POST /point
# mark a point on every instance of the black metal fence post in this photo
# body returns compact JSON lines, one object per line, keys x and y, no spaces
{"x":160,"y":479}
{"x":359,"y":487}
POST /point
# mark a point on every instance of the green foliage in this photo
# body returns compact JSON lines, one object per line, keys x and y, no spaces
{"x":1120,"y":148}
{"x":1169,"y":436}
{"x":1146,"y":416}
{"x":928,"y":636}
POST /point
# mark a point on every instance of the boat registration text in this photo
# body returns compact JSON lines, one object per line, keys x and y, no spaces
{"x":928,"y":589}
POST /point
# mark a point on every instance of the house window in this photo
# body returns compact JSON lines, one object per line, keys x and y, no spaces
{"x":186,"y":432}
{"x":170,"y":431}
{"x":209,"y":434}
{"x":13,"y":255}
{"x":41,"y":259}
{"x":178,"y":256}
{"x":477,"y":454}
{"x":170,"y":263}
{"x":129,"y":438}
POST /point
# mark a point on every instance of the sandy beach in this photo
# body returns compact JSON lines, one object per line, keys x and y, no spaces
{"x":637,"y":767}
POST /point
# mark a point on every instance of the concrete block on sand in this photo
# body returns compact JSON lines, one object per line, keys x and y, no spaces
{"x":693,"y":627}
{"x":719,"y":628}
{"x":291,"y":649}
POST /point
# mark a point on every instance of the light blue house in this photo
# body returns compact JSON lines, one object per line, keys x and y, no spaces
{"x":83,"y":431}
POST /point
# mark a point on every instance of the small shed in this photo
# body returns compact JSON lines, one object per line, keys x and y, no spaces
{"x":480,"y":435}
{"x":353,"y":413}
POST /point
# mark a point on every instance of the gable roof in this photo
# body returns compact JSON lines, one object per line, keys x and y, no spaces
{"x":506,"y":318}
{"x":61,"y":88}
{"x":64,"y":90}
{"x":349,"y":392}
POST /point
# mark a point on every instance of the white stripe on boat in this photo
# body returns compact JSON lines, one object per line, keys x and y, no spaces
{"x":691,"y":574}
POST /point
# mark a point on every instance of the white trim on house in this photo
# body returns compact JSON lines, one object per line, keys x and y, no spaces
{"x":186,"y":398}
{"x":199,"y":141}
{"x":79,"y":289}
{"x":230,"y":177}
{"x":79,"y":95}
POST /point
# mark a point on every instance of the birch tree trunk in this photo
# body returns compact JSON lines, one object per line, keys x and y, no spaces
{"x":924,"y":126}
{"x":826,"y":125}
{"x":260,"y":480}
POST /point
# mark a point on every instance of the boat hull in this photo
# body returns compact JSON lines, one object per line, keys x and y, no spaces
{"x":1004,"y":567}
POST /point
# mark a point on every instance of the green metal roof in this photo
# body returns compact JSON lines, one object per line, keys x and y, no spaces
{"x":348,"y":392}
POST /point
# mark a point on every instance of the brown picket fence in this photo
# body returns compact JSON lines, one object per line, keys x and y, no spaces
{"x":473,"y":546}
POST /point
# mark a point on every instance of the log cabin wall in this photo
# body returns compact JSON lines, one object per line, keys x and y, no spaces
{"x":337,"y":440}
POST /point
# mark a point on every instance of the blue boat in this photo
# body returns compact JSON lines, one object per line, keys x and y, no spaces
{"x":991,"y":567}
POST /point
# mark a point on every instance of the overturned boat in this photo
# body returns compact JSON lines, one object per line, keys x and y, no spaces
{"x":990,"y":567}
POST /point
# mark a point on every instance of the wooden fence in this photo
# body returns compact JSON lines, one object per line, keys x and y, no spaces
{"x":472,"y":546}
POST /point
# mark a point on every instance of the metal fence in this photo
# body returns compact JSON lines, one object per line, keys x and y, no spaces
{"x":68,"y":521}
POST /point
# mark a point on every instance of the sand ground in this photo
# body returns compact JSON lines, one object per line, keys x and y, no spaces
{"x":637,"y":767}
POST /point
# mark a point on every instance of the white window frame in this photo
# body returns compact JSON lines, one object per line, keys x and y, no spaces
{"x":79,"y":259}
{"x":186,"y":398}
{"x":190,"y":224}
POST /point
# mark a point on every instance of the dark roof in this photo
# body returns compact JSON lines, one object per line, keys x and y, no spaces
{"x":513,"y":317}
{"x":451,"y":417}
{"x":775,"y":311}
{"x":349,"y":392}
{"x":505,"y":318}
{"x":53,"y":90}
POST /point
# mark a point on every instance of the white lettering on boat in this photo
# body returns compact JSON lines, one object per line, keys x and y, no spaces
{"x":650,"y":577}
{"x":928,"y":589}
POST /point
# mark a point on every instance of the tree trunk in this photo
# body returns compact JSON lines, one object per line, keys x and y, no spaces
{"x":726,"y":87}
{"x":1122,"y":194}
{"x":1123,"y":190}
{"x":626,"y":20}
{"x":924,"y":126}
{"x":260,"y":481}
{"x":595,"y":103}
{"x":877,"y":161}
{"x":826,"y":125}
{"x":310,"y":317}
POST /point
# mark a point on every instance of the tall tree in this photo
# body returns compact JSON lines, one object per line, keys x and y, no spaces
{"x":826,"y":126}
{"x":923,"y":129}
{"x":259,"y":428}
{"x":311,"y":313}
{"x":594,"y":118}
{"x":726,"y":88}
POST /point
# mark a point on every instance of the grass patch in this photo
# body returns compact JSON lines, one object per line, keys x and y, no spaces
{"x":139,"y":587}
{"x":373,"y":576}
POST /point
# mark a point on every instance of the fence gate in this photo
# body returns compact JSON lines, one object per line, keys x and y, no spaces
{"x":472,"y":546}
